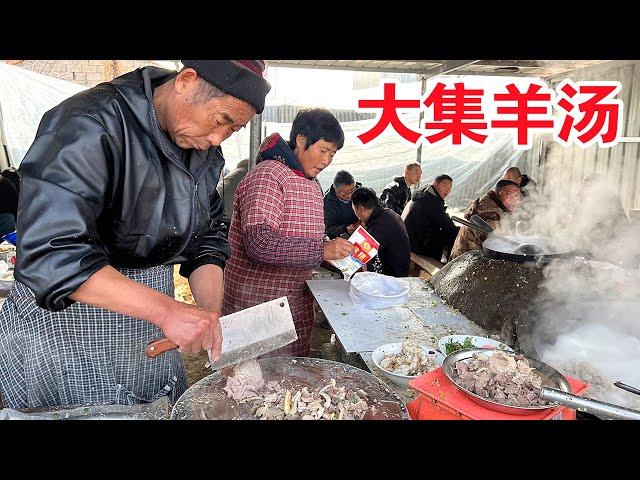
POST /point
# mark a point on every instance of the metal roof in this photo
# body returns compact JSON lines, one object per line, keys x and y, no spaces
{"x":429,"y":68}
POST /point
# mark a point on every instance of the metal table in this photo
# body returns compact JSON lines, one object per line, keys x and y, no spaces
{"x":424,"y":319}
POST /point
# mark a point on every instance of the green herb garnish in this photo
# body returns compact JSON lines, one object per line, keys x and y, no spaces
{"x":453,"y":346}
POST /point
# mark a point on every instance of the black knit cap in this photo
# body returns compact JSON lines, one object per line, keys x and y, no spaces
{"x":240,"y":78}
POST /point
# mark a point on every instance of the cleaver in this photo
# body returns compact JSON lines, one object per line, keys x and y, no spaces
{"x":246,"y":334}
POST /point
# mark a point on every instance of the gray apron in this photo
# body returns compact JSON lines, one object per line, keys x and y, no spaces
{"x":84,"y":354}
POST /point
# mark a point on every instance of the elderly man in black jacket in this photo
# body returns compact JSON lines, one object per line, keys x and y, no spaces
{"x":119,"y":185}
{"x":430,"y":229}
{"x":398,"y":192}
{"x":339,"y":218}
{"x":387,"y":228}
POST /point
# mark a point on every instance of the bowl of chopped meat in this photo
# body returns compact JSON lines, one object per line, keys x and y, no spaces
{"x":402,"y":362}
{"x":505,"y":382}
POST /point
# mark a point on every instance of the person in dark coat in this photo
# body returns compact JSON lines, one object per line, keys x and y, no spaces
{"x":9,"y":190}
{"x":227,"y":188}
{"x":430,"y":229}
{"x":397,"y":193}
{"x":387,"y":228}
{"x":339,"y":219}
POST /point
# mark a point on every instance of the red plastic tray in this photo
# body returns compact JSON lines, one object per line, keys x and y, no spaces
{"x":439,"y":399}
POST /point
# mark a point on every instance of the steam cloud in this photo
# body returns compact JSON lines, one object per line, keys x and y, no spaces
{"x":588,"y":306}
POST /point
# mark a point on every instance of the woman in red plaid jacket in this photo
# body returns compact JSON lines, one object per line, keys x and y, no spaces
{"x":277,"y":226}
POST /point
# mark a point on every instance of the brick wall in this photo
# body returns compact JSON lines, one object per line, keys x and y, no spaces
{"x":85,"y":72}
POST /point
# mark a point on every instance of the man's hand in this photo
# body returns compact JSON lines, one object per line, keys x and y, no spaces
{"x":352,"y":228}
{"x":188,"y":326}
{"x":337,"y":249}
{"x":193,"y":328}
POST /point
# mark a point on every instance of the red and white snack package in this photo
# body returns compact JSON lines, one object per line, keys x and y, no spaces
{"x":366,"y":247}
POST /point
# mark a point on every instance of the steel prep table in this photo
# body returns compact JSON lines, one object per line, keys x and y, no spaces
{"x":424,"y":319}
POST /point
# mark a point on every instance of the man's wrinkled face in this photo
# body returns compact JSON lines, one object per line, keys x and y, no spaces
{"x":414,"y":175}
{"x":191,"y":123}
{"x":510,"y":197}
{"x":315,"y":158}
{"x":443,"y":188}
{"x":206,"y":125}
{"x":344,"y":193}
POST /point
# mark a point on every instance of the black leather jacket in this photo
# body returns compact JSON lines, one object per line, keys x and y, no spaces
{"x":102,"y":185}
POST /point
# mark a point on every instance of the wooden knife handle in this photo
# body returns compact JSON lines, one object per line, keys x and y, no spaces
{"x":159,"y":346}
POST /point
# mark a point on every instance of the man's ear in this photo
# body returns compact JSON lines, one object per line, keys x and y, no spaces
{"x":185,"y":80}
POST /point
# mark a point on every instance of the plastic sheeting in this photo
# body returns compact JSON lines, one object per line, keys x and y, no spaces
{"x":475,"y":168}
{"x":24,"y":98}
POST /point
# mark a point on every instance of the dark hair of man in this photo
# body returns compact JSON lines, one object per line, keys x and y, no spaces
{"x":502,"y":184}
{"x":342,"y":179}
{"x":317,"y":124}
{"x":443,"y":177}
{"x":364,"y":197}
{"x":412,"y":165}
{"x":205,"y":91}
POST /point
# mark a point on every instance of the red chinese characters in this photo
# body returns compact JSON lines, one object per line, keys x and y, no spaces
{"x":536,"y":100}
{"x":586,"y":112}
{"x":594,"y":102}
{"x":389,"y":115}
{"x":456,"y":112}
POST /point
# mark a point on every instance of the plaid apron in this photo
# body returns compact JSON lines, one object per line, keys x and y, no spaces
{"x":84,"y":354}
{"x":248,"y":283}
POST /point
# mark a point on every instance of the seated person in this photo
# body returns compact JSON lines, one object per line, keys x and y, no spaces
{"x":491,"y":207}
{"x":398,"y":192}
{"x":387,"y":228}
{"x":339,"y":219}
{"x":430,"y":229}
{"x":227,"y":187}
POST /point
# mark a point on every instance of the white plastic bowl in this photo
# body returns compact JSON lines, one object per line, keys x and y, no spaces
{"x":391,"y":348}
{"x":374,"y":290}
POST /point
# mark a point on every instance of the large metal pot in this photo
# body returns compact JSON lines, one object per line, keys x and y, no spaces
{"x":517,"y":248}
{"x":501,"y":250}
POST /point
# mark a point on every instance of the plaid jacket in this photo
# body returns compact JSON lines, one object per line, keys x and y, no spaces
{"x":276,"y":238}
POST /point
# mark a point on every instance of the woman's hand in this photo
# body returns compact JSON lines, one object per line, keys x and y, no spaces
{"x":337,"y":249}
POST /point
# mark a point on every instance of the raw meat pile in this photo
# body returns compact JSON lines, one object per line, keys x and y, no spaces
{"x":501,"y":377}
{"x":410,"y":361}
{"x":272,"y":401}
{"x":328,"y":403}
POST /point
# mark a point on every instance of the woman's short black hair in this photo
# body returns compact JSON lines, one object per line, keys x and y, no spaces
{"x":317,"y":124}
{"x":365,"y":197}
